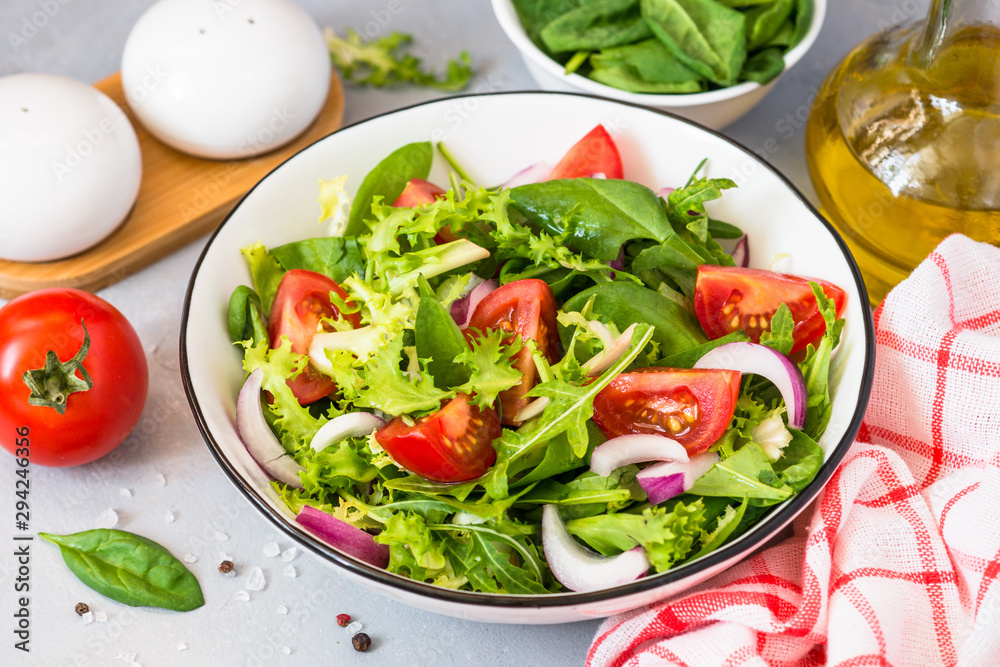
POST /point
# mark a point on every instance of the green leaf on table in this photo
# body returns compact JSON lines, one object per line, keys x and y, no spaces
{"x":595,"y":24}
{"x":129,"y":568}
{"x":381,"y":62}
{"x":705,"y":35}
{"x":387,"y":181}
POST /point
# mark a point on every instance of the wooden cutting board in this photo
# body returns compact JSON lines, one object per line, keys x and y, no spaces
{"x":181,"y":198}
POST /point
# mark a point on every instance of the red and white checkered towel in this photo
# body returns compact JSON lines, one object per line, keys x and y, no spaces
{"x":897,"y":562}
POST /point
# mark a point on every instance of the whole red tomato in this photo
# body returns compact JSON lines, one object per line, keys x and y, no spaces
{"x":43,"y":344}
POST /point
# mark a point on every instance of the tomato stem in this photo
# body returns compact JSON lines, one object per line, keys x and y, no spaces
{"x":51,"y":385}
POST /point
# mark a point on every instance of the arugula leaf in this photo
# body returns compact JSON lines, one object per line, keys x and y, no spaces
{"x":380,"y":62}
{"x":494,"y":548}
{"x":386,"y":388}
{"x":489,"y":362}
{"x":596,"y":24}
{"x":334,"y":256}
{"x":705,"y":35}
{"x":816,"y":367}
{"x":610,"y":493}
{"x":740,"y":475}
{"x":265,"y":272}
{"x":387,"y":181}
{"x":557,"y":457}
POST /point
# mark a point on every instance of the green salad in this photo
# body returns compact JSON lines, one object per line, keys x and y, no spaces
{"x":668,"y":46}
{"x":562,"y":383}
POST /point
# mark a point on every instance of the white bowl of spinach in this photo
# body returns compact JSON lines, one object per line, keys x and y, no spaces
{"x":483,"y":558}
{"x":707,"y":60}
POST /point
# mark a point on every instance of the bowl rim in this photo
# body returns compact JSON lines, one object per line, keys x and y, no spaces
{"x":506,"y":15}
{"x":780,"y":517}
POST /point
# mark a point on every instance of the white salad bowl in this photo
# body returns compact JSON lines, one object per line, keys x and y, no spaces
{"x":495,"y":136}
{"x":714,"y":108}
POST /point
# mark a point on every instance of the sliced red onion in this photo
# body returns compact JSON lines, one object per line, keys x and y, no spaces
{"x":663,"y":481}
{"x":599,"y":174}
{"x":462,"y":309}
{"x":342,"y":535}
{"x":604,"y":359}
{"x":580,"y":569}
{"x":257,"y":436}
{"x":536,"y":173}
{"x":351,"y":425}
{"x":618,"y":264}
{"x":741,"y":252}
{"x":639,"y":448}
{"x":771,"y":364}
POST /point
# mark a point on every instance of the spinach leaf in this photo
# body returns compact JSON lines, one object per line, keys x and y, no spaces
{"x":718,"y":229}
{"x":536,"y":14}
{"x":764,"y":66}
{"x":764,"y":21}
{"x":674,"y":258}
{"x":596,"y":216}
{"x":439,"y":340}
{"x":783,"y":38}
{"x":803,"y":20}
{"x":625,"y":303}
{"x":747,"y":473}
{"x":387,"y":181}
{"x":644,"y":67}
{"x":246,"y":317}
{"x":800,"y":460}
{"x":335,"y":256}
{"x":596,"y":24}
{"x":705,"y":35}
{"x":129,"y":568}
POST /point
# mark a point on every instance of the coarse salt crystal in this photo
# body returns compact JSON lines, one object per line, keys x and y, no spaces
{"x":190,"y":558}
{"x":222,"y":537}
{"x":290,"y":571}
{"x":169,"y":518}
{"x":125,"y":492}
{"x":88,"y":618}
{"x":354,"y":628}
{"x":181,"y":646}
{"x":126,"y":657}
{"x":286,"y":650}
{"x":282,"y":610}
{"x":289,"y":554}
{"x":256,"y":581}
{"x":100,"y":616}
{"x":161,"y":481}
{"x":107,"y":519}
{"x":271,"y":549}
{"x":242,"y":596}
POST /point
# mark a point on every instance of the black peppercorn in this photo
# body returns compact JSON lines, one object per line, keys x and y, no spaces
{"x":82,"y":608}
{"x":361,"y":641}
{"x":226,"y":566}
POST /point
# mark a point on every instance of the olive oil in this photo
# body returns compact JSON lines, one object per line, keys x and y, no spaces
{"x":903,"y":145}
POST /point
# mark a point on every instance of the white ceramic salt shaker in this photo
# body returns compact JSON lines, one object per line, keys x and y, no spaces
{"x":226,"y":79}
{"x":70,"y":167}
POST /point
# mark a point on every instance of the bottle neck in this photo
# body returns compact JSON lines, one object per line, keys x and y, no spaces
{"x":949,"y":18}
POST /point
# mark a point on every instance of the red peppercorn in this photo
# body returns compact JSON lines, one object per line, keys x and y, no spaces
{"x":343,"y":620}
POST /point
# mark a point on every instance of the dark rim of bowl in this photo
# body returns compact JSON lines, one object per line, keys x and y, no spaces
{"x":745,"y":545}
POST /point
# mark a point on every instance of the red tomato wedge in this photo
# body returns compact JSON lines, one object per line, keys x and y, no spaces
{"x":302,"y":300}
{"x":454,"y":444}
{"x":526,"y":308}
{"x":596,"y":153}
{"x":417,"y":192}
{"x":692,"y":406}
{"x":729,"y":299}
